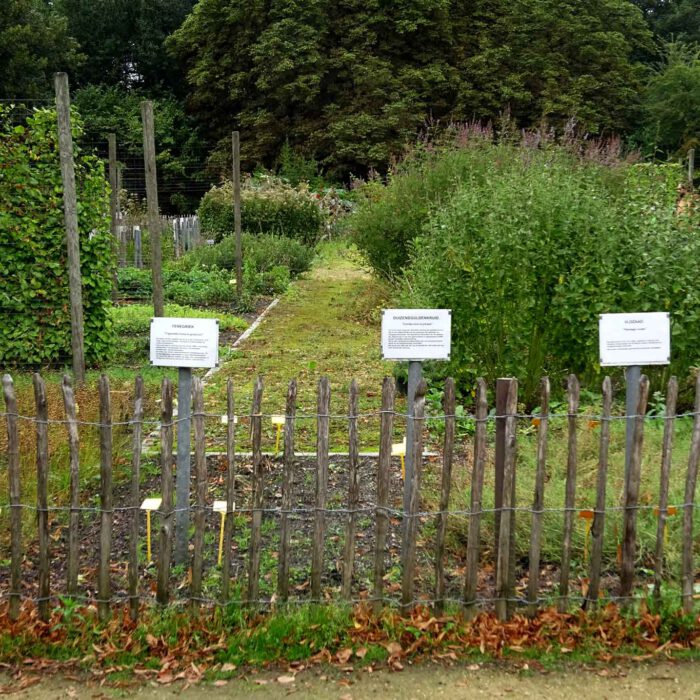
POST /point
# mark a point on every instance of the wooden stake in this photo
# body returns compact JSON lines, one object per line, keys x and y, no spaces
{"x":570,"y":497}
{"x":503,"y":577}
{"x":230,"y":488}
{"x":74,"y":519}
{"x":353,"y":492}
{"x":448,"y":408}
{"x":165,"y":547}
{"x":42,"y":482}
{"x":200,"y":466}
{"x":383,"y":473}
{"x":287,"y":486}
{"x":256,"y":520}
{"x":13,"y":481}
{"x":154,"y":226}
{"x":629,"y":532}
{"x":113,"y":203}
{"x":474,"y":536}
{"x":70,"y":209}
{"x":669,"y":423}
{"x":322,"y":436}
{"x":107,"y":518}
{"x":687,"y":572}
{"x":237,"y":211}
{"x":137,"y":423}
{"x":538,"y":502}
{"x":598,"y":528}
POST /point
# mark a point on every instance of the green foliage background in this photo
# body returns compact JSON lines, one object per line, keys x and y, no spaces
{"x":34,"y":296}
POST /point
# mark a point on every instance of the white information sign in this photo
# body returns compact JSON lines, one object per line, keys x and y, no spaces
{"x":416,"y":334}
{"x":635,"y":339}
{"x":184,"y":342}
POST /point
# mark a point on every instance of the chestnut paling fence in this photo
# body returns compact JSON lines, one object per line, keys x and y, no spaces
{"x":243,"y":586}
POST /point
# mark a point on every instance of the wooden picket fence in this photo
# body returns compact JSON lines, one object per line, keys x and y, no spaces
{"x":504,"y":599}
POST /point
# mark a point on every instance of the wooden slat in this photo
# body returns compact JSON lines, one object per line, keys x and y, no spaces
{"x":104,"y":591}
{"x":256,"y":519}
{"x":42,"y":483}
{"x":598,"y":527}
{"x":533,"y":588}
{"x":353,"y":492}
{"x":165,"y":548}
{"x":200,"y":470}
{"x":287,"y":487}
{"x":667,"y":450}
{"x":478,"y":468}
{"x":13,"y":481}
{"x":230,"y":488}
{"x":136,"y":435}
{"x":503,"y":576}
{"x":322,"y":436}
{"x":408,"y":548}
{"x":383,"y":474}
{"x":629,"y":528}
{"x":687,"y":572}
{"x":448,"y":407}
{"x":572,"y":391}
{"x":74,"y":518}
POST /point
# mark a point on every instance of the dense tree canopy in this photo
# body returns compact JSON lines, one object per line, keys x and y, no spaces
{"x":34,"y":43}
{"x":350,"y":81}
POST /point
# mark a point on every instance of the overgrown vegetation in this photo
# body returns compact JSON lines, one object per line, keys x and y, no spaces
{"x":34,"y":293}
{"x":528,"y":242}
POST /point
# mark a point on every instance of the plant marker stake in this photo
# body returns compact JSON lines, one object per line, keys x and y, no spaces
{"x":220,"y":507}
{"x":224,"y":420}
{"x":398,"y":449}
{"x":149,"y":505}
{"x":278,"y":421}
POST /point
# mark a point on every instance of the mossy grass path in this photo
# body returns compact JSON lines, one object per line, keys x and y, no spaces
{"x":327,"y":324}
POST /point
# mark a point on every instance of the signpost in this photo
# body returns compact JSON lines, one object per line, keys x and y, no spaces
{"x":415,"y":335}
{"x":633,"y":340}
{"x":185,"y":343}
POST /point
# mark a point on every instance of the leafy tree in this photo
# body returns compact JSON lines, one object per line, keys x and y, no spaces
{"x":673,"y":20}
{"x":34,"y":43}
{"x":351,"y":81}
{"x":671,"y":104}
{"x":124,"y":40}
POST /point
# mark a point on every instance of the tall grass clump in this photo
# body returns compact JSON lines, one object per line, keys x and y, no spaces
{"x":528,"y":242}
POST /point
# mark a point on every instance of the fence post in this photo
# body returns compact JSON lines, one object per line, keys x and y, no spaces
{"x":106,"y":516}
{"x":353,"y":492}
{"x":383,"y":472}
{"x":408,"y":554}
{"x":448,"y":408}
{"x":287,"y":484}
{"x":149,"y":155}
{"x":230,"y":488}
{"x":502,"y":387}
{"x":570,"y":496}
{"x":42,"y":479}
{"x":70,"y":209}
{"x":200,"y":466}
{"x":629,"y":533}
{"x":237,"y":211}
{"x":74,"y":519}
{"x":113,"y":201}
{"x":687,"y":577}
{"x":479,"y":466}
{"x":258,"y":494}
{"x":598,"y":527}
{"x":538,"y":501}
{"x":669,"y":423}
{"x":166,"y":470}
{"x":504,"y":589}
{"x":137,"y":422}
{"x":322,"y":435}
{"x":14,"y":489}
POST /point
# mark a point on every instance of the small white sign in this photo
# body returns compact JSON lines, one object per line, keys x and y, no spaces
{"x":184,"y":342}
{"x":416,"y":334}
{"x":635,"y":339}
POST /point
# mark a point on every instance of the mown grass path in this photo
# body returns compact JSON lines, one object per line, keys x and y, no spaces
{"x":327,"y":324}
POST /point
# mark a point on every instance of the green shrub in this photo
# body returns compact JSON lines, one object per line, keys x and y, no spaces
{"x":268,"y":205}
{"x":135,"y":319}
{"x":34,"y":293}
{"x":536,"y":241}
{"x":135,"y":283}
